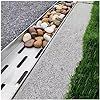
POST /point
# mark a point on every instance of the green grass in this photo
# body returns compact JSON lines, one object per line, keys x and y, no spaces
{"x":85,"y":82}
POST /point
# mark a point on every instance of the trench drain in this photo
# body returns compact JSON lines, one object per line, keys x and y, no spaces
{"x":18,"y":64}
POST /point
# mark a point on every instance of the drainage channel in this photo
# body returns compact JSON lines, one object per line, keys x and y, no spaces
{"x":18,"y":61}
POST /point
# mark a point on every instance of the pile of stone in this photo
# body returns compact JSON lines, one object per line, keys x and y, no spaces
{"x":39,"y":34}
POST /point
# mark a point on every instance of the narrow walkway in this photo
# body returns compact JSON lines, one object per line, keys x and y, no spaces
{"x":51,"y":75}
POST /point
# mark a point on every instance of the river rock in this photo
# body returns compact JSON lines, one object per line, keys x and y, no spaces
{"x":58,"y":14}
{"x":38,"y":43}
{"x":39,"y":32}
{"x":55,"y":6}
{"x":49,"y":34}
{"x":39,"y":37}
{"x":61,"y":16}
{"x":64,"y":12}
{"x":45,"y":19}
{"x":45,"y":16}
{"x":58,"y":10}
{"x":63,"y":3}
{"x":59,"y":7}
{"x":32,"y":29}
{"x":69,"y":8}
{"x":50,"y":18}
{"x":53,"y":26}
{"x":48,"y":13}
{"x":51,"y":23}
{"x":26,"y":37}
{"x":53,"y":12}
{"x":56,"y":22}
{"x":54,"y":17}
{"x":59,"y":19}
{"x":46,"y":37}
{"x":38,"y":24}
{"x":29,"y":43}
{"x":69,"y":4}
{"x":49,"y":29}
{"x":44,"y":25}
{"x":44,"y":43}
{"x":38,"y":28}
{"x":33,"y":34}
{"x":65,"y":7}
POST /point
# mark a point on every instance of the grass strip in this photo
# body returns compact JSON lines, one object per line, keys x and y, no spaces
{"x":85,"y":82}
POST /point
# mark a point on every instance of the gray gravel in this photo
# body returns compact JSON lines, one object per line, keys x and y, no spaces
{"x":18,"y":15}
{"x":51,"y":76}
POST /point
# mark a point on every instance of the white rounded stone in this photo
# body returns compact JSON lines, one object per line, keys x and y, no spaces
{"x":46,"y":37}
{"x":49,"y":29}
{"x":26,"y":37}
{"x":38,"y":24}
{"x":44,"y":25}
{"x":53,"y":26}
{"x":61,"y":16}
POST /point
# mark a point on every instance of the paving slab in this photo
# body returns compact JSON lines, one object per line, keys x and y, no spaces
{"x":51,"y":75}
{"x":16,"y":16}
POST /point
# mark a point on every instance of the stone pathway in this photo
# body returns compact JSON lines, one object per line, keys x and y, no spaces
{"x":51,"y":75}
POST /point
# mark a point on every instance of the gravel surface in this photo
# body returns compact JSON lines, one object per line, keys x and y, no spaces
{"x":51,"y":75}
{"x":18,"y":15}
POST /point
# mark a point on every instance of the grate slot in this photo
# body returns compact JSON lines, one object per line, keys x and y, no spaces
{"x":2,"y":86}
{"x":21,"y":50}
{"x":69,"y":1}
{"x":22,"y":77}
{"x":21,"y":62}
{"x":4,"y":68}
{"x":39,"y":53}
